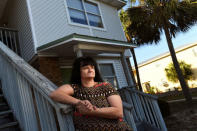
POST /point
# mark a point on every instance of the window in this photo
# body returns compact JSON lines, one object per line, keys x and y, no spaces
{"x":84,"y":12}
{"x":66,"y":74}
{"x":107,"y":71}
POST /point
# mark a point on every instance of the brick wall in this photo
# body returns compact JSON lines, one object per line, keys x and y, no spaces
{"x":49,"y":67}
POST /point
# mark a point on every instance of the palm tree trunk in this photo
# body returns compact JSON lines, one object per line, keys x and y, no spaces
{"x":136,"y":68}
{"x":183,"y":84}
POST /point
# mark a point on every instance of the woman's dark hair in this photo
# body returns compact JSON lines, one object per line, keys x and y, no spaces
{"x":80,"y":62}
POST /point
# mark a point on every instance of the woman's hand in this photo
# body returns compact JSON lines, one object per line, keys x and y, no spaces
{"x":84,"y":106}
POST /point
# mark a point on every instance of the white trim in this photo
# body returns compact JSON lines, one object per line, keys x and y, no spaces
{"x":90,"y":29}
{"x":82,"y":25}
{"x":113,"y":64}
{"x":102,"y":42}
{"x":32,"y":26}
{"x":57,"y":44}
{"x":84,"y":40}
{"x":100,"y":11}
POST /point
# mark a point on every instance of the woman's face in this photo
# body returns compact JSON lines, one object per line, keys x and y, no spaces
{"x":87,"y":71}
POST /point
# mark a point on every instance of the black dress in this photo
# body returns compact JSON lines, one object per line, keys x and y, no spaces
{"x":97,"y":95}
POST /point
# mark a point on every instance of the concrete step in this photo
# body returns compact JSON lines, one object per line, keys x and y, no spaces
{"x":8,"y":125}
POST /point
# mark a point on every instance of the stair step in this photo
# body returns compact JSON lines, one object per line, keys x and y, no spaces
{"x":7,"y":125}
{"x":3,"y":107}
{"x":1,"y":98}
{"x":5,"y":112}
{"x":3,"y":104}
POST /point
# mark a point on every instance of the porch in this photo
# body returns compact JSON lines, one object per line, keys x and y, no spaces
{"x":28,"y":97}
{"x":112,"y":57}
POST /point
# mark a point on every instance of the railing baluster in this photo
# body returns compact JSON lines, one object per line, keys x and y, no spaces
{"x":41,"y":111}
{"x":15,"y":43}
{"x":9,"y":38}
{"x":136,"y":105}
{"x":2,"y":39}
{"x":154,"y":114}
{"x":129,"y":100}
{"x":6,"y":38}
{"x":145,"y":109}
{"x":151,"y":112}
{"x":10,"y":41}
{"x":139,"y":106}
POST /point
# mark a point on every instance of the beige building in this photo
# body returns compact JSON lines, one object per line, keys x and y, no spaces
{"x":152,"y":73}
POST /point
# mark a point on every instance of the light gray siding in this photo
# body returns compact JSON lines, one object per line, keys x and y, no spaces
{"x":19,"y":19}
{"x":112,"y":24}
{"x":51,"y":22}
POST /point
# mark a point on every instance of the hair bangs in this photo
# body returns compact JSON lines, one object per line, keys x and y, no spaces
{"x":87,"y":61}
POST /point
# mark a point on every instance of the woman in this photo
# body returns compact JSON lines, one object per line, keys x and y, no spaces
{"x":98,"y":107}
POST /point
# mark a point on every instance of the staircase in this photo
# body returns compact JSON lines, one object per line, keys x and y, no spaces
{"x":7,"y":120}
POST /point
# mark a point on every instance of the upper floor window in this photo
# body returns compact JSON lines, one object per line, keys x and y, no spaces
{"x":84,"y":12}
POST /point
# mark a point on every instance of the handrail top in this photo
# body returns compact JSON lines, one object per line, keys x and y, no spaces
{"x":38,"y":81}
{"x":10,"y":29}
{"x":131,"y":88}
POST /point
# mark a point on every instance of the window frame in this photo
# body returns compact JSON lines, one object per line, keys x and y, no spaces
{"x":113,"y":66}
{"x":86,"y":15}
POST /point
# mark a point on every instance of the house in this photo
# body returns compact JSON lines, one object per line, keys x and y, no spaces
{"x":186,"y":53}
{"x":54,"y":33}
{"x":49,"y":35}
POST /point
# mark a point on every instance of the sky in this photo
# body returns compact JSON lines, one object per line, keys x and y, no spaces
{"x":146,"y":52}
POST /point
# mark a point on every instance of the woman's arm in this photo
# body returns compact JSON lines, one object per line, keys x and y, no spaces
{"x":113,"y":112}
{"x":63,"y":95}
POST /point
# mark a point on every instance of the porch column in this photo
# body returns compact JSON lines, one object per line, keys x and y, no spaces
{"x":126,"y":70}
{"x":78,"y":51}
{"x":131,"y":71}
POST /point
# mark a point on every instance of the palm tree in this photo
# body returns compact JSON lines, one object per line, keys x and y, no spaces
{"x":126,"y":22}
{"x":157,"y":16}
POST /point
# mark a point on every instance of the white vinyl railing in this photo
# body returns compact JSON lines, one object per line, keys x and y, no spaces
{"x":145,"y":108}
{"x":27,"y":92}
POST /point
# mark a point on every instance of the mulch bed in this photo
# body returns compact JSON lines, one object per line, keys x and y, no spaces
{"x":182,"y":121}
{"x":183,"y":118}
